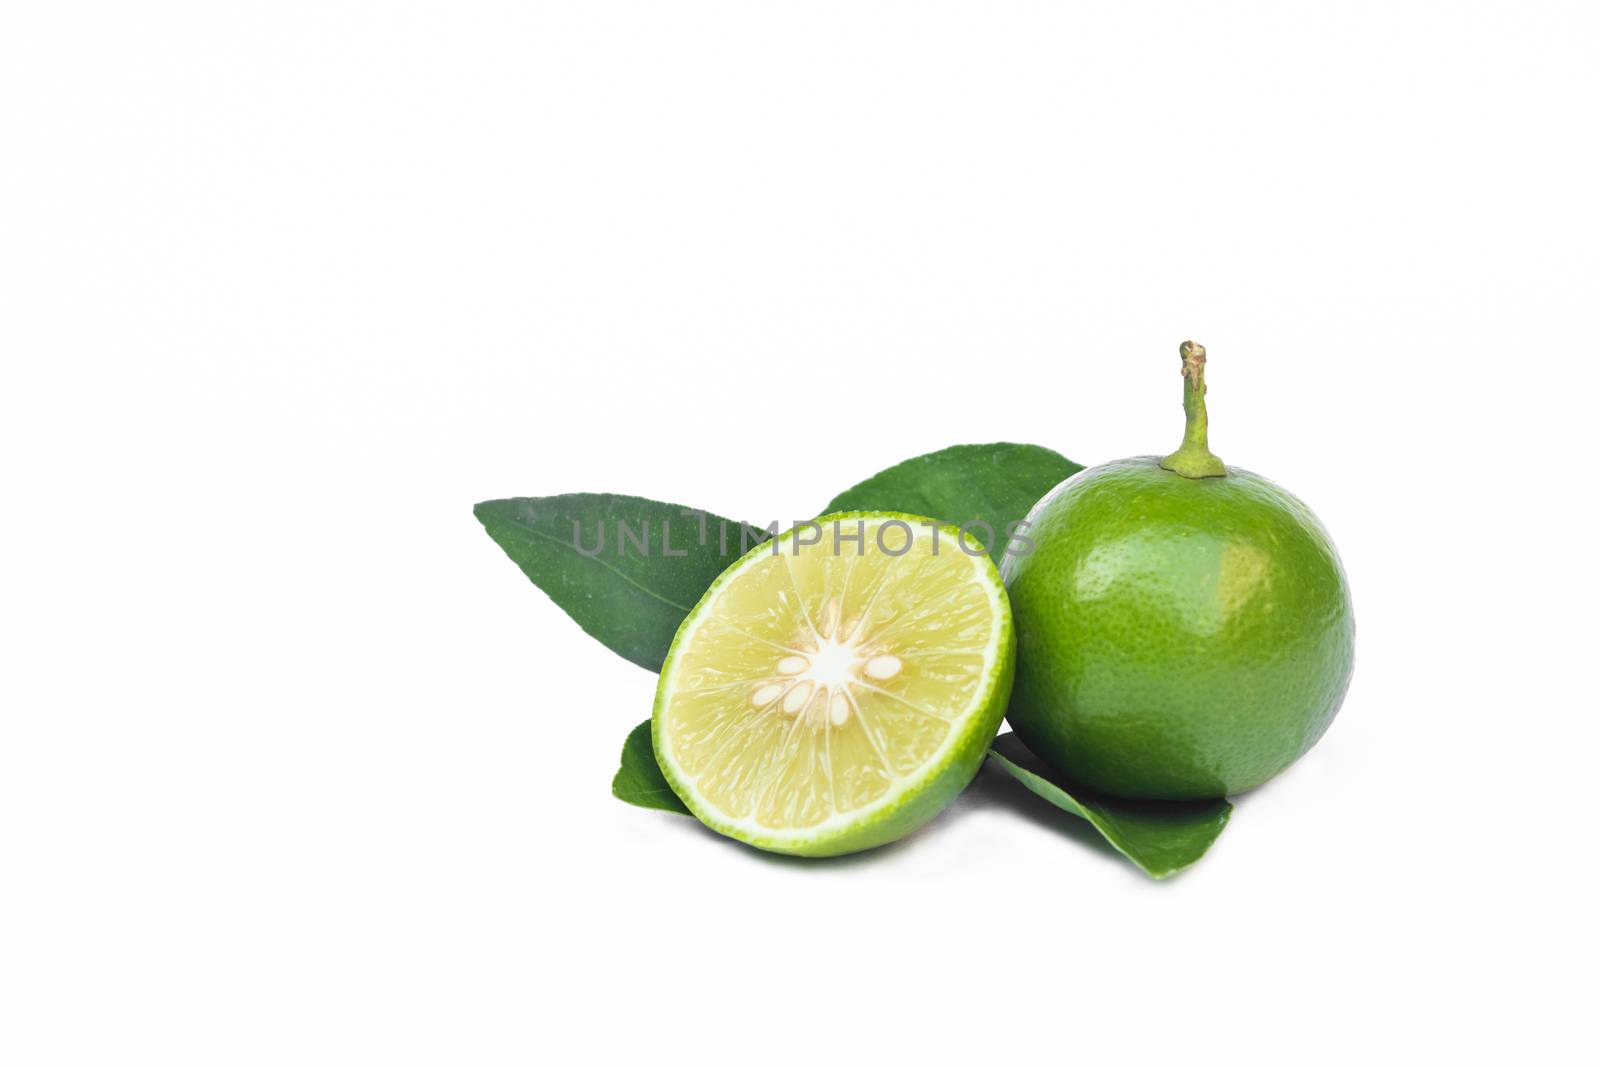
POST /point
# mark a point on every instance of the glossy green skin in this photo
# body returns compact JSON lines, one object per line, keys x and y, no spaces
{"x":1177,"y":638}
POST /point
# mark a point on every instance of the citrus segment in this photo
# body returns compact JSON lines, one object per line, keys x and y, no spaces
{"x":830,"y":695}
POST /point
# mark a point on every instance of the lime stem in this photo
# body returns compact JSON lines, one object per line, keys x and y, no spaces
{"x":1193,"y":459}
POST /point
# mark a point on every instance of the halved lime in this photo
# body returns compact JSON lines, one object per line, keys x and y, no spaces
{"x":838,"y":685}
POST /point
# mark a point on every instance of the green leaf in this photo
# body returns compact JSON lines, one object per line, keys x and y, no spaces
{"x":639,"y":780}
{"x":632,"y":600}
{"x":1162,"y":837}
{"x":629,"y":598}
{"x":993,"y":484}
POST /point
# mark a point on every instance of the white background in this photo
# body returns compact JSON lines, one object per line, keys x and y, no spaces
{"x":296,"y":766}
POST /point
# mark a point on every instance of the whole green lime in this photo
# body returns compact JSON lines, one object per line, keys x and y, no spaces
{"x":1183,"y":628}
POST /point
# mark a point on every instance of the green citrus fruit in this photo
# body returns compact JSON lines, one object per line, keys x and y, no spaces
{"x":1183,"y":628}
{"x":832,"y":692}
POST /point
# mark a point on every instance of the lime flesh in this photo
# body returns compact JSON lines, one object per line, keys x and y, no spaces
{"x":829,"y":697}
{"x":1178,"y":638}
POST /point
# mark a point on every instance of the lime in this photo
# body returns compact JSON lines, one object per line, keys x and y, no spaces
{"x":1183,"y":628}
{"x":838,"y":685}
